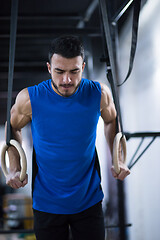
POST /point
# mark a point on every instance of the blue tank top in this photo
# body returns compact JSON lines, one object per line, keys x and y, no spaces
{"x":64,"y":134}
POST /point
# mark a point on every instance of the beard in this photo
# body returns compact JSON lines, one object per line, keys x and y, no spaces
{"x":66,"y":94}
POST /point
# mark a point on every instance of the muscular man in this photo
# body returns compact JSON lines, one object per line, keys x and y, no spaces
{"x":64,"y":113}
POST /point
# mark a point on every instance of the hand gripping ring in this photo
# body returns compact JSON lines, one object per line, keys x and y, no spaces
{"x":119,"y":139}
{"x":22,"y":159}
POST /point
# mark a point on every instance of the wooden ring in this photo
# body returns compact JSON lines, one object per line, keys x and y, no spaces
{"x":119,"y":139}
{"x":22,"y":159}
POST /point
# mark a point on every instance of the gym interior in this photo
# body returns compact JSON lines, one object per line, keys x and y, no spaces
{"x":131,"y":208}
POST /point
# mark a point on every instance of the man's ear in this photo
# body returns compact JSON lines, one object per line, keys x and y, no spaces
{"x":49,"y":67}
{"x":83,"y":66}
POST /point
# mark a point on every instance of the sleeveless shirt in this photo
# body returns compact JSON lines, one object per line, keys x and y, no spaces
{"x":64,"y":135}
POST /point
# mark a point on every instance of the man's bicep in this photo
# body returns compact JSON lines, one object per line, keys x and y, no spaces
{"x":108,"y":114}
{"x":18,"y":120}
{"x":21,"y":110}
{"x":108,"y":111}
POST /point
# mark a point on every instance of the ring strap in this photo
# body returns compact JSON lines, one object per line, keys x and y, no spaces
{"x":136,"y":12}
{"x":13,"y":31}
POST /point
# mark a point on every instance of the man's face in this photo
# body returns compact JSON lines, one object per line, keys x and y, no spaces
{"x":66,"y":74}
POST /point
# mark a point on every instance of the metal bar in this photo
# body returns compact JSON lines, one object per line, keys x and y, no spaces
{"x":38,"y":18}
{"x":112,"y":69}
{"x":113,"y":81}
{"x":136,"y":152}
{"x":141,"y":134}
{"x":118,"y":225}
{"x":51,"y":30}
{"x":122,"y":11}
{"x":25,"y":64}
{"x":49,"y":33}
{"x":88,"y":13}
{"x":121,"y":210}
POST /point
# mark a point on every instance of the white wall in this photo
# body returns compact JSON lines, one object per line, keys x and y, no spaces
{"x":140,"y":106}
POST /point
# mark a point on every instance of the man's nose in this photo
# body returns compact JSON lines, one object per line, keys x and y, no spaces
{"x":66,"y":79}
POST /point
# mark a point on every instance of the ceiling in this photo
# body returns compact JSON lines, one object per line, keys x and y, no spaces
{"x":39,"y":21}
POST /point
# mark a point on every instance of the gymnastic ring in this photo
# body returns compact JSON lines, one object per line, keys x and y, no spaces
{"x":119,"y":139}
{"x":22,"y":159}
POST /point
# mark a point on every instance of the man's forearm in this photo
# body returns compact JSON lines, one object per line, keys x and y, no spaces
{"x":110,"y":132}
{"x":14,"y":159}
{"x":16,"y":134}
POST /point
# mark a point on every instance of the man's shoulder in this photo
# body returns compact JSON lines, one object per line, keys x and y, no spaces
{"x":39,"y":87}
{"x":23,"y":95}
{"x":92,"y":83}
{"x":22,"y":104}
{"x":105,"y":89}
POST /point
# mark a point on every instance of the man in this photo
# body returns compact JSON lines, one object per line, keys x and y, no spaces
{"x":64,"y":113}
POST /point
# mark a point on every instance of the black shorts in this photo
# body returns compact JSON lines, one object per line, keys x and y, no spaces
{"x":86,"y":225}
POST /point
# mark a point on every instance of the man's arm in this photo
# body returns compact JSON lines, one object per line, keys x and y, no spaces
{"x":21,"y":114}
{"x":108,"y":114}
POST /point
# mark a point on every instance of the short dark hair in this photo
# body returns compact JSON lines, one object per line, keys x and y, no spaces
{"x":67,"y":46}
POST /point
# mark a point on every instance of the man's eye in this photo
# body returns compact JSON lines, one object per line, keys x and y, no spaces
{"x":59,"y":72}
{"x":74,"y":72}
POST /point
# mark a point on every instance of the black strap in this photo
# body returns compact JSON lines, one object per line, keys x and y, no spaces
{"x":111,"y":74}
{"x":136,"y":12}
{"x":13,"y":30}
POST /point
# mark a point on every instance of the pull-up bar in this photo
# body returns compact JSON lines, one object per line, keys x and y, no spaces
{"x":141,"y":134}
{"x":120,"y":14}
